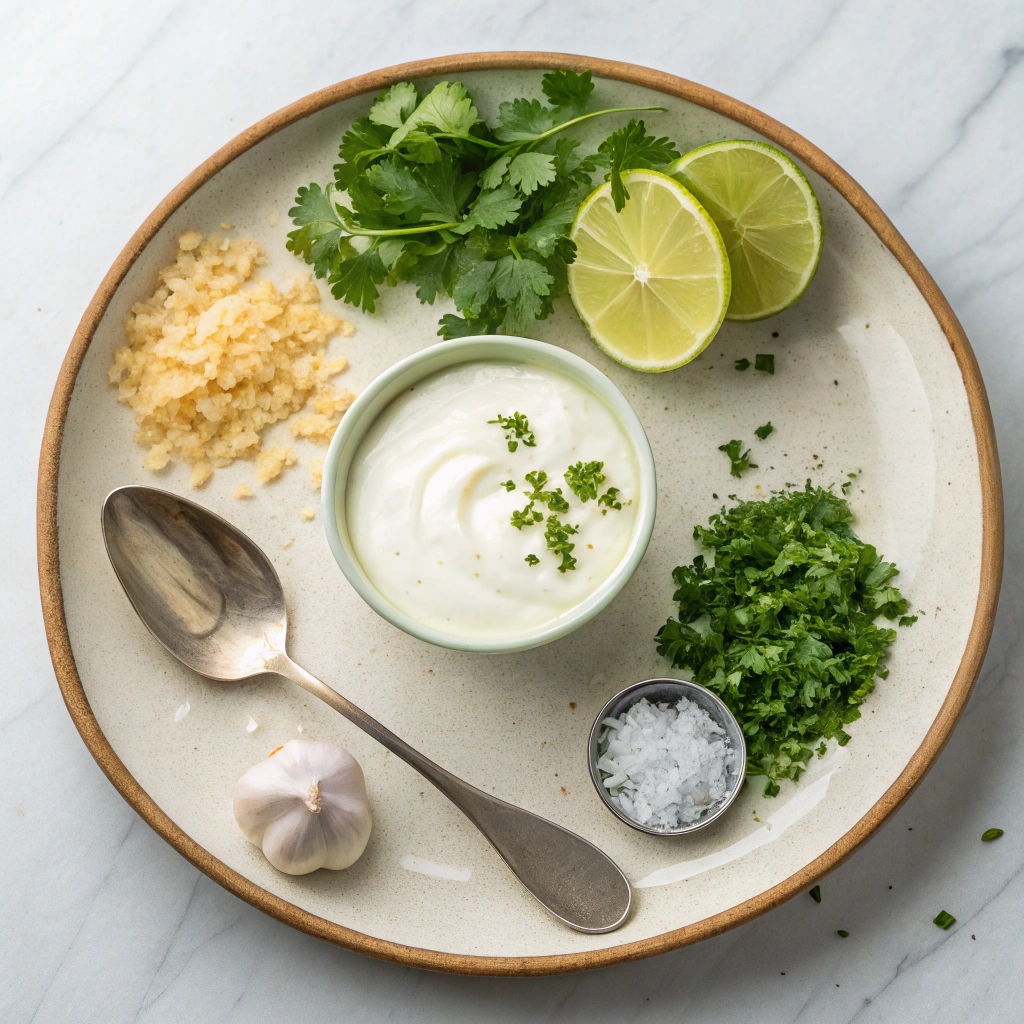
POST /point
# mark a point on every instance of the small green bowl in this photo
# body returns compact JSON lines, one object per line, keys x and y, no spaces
{"x":377,"y":396}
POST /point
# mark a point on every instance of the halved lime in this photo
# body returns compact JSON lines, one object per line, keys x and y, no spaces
{"x":768,"y":215}
{"x":651,"y":282}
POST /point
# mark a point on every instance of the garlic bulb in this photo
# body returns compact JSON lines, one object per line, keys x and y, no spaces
{"x":305,"y":806}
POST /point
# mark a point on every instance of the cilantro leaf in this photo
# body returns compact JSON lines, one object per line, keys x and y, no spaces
{"x":739,"y":460}
{"x":318,"y":237}
{"x":783,"y":625}
{"x":763,"y":431}
{"x":394,"y":106}
{"x":742,"y":364}
{"x":447,"y":107}
{"x":491,"y":176}
{"x":568,"y":92}
{"x":424,"y":194}
{"x":544,"y":234}
{"x":360,"y":145}
{"x":523,"y":120}
{"x":629,"y":148}
{"x":355,"y":280}
{"x":531,"y":170}
{"x":492,"y":209}
{"x":420,"y":148}
{"x":521,"y":285}
{"x":764,"y":362}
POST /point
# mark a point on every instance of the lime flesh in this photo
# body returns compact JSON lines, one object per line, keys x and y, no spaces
{"x":768,"y":215}
{"x":652,"y":281}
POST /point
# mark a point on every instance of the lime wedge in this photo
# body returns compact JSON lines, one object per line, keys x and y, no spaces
{"x":768,"y":215}
{"x":651,"y":282}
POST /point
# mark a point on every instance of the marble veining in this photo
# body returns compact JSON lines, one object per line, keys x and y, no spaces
{"x":105,"y":107}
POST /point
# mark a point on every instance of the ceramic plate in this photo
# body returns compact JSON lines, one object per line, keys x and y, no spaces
{"x":873,"y":375}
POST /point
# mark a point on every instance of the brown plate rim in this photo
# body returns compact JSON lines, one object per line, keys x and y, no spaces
{"x":937,"y":735}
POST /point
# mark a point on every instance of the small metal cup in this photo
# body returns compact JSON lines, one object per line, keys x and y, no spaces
{"x":670,"y":690}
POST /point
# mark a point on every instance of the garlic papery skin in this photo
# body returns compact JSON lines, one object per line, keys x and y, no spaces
{"x":305,"y":806}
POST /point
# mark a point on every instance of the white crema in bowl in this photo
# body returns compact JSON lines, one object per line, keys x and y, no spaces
{"x":429,"y":512}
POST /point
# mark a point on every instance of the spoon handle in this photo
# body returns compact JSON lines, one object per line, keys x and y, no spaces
{"x":571,"y":877}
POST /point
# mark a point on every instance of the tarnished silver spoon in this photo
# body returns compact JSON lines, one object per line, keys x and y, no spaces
{"x":214,"y":600}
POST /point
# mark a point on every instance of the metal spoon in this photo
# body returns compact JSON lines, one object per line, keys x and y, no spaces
{"x":214,"y":600}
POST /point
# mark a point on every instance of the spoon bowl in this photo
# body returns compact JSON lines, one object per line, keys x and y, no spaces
{"x":215,"y":602}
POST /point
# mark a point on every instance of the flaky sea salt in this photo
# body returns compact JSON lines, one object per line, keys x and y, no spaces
{"x":666,"y":765}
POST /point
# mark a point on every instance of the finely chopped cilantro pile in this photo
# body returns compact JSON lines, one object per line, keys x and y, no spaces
{"x":782,"y":624}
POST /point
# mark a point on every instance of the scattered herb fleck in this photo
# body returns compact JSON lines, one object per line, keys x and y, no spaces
{"x":610,"y":500}
{"x":843,"y":933}
{"x":991,"y":833}
{"x":517,"y":428}
{"x":763,"y":432}
{"x":764,"y":362}
{"x":557,"y":536}
{"x":739,"y":459}
{"x":509,"y":485}
{"x":816,"y":894}
{"x":531,"y":559}
{"x":584,"y":479}
{"x":908,"y":620}
{"x":742,"y":364}
{"x":553,"y":499}
{"x":944,"y":920}
{"x":525,"y":517}
{"x":782,"y":626}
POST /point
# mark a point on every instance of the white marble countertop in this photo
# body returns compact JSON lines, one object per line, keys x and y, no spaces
{"x":104,"y":107}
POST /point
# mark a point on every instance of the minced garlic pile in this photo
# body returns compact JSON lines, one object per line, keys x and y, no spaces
{"x":209,"y":364}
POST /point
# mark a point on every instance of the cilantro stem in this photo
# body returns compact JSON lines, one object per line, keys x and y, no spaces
{"x":512,"y":246}
{"x":583,"y":117}
{"x":418,"y":229}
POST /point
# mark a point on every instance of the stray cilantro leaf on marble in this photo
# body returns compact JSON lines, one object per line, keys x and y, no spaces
{"x":764,"y":362}
{"x":739,"y":460}
{"x":782,"y":625}
{"x":944,"y":920}
{"x":991,"y":833}
{"x":763,"y":432}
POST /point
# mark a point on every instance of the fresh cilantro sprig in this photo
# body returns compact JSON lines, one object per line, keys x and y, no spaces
{"x":426,"y":191}
{"x":782,"y":625}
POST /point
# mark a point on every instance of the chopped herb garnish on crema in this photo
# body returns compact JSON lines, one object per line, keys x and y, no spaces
{"x":584,"y":479}
{"x":517,"y":428}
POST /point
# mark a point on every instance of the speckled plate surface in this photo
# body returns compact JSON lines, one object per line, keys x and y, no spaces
{"x":873,"y":375}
